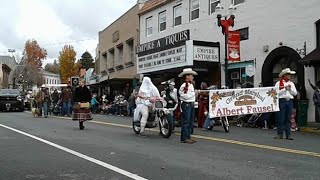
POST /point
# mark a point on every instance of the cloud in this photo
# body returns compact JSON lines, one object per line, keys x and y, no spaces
{"x":55,"y":23}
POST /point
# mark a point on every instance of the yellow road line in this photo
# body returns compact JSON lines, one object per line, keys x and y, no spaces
{"x":260,"y":146}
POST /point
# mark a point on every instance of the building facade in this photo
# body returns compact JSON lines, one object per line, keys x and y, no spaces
{"x":8,"y":66}
{"x":272,"y":36}
{"x":116,"y":65}
{"x":50,"y":79}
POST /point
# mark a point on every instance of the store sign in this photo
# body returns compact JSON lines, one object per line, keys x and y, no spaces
{"x":250,"y":70}
{"x":234,"y":102}
{"x":234,"y":46}
{"x":165,"y":53}
{"x":203,"y":53}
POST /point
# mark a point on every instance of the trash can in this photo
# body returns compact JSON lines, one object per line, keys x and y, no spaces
{"x":303,"y":112}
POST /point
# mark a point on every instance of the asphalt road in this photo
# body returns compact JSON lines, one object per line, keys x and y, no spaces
{"x":54,"y":148}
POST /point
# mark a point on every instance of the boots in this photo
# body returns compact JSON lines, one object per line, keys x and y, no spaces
{"x":81,"y":126}
{"x":278,"y":137}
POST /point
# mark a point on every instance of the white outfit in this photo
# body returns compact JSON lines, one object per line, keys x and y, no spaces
{"x":190,"y":96}
{"x":147,"y":90}
{"x":287,"y":94}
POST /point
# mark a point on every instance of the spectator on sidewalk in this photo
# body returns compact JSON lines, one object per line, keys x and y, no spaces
{"x":203,"y":99}
{"x":94,"y":103}
{"x":66,"y":101}
{"x":316,"y":101}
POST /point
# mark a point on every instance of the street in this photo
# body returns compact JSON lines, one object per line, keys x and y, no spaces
{"x":55,"y":148}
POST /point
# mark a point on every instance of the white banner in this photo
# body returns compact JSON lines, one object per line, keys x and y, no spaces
{"x":233,"y":102}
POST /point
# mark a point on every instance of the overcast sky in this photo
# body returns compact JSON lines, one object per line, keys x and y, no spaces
{"x":54,"y":23}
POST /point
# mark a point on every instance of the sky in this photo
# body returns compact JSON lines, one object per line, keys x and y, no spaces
{"x":55,"y":23}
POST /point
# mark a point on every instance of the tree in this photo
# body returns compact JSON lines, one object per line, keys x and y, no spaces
{"x":28,"y":74}
{"x":68,"y":65}
{"x":34,"y":54}
{"x":53,"y":67}
{"x":86,"y":60}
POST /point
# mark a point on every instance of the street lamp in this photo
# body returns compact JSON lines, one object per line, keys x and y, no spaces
{"x":225,"y":24}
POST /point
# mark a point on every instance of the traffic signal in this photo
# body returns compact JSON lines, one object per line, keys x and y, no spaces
{"x":75,"y":81}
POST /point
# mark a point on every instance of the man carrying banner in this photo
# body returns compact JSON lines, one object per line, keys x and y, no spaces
{"x":287,"y":91}
{"x":187,"y":97}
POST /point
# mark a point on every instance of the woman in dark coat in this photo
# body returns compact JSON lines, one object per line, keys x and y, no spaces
{"x":82,"y":95}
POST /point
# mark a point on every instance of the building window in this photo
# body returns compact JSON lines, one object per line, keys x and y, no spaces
{"x":236,"y":2}
{"x":194,"y":9}
{"x":177,"y":15}
{"x":162,"y":21}
{"x":244,"y":34}
{"x":213,"y":5}
{"x":111,"y":56}
{"x":120,"y":54}
{"x":131,"y":51}
{"x":318,"y":33}
{"x":149,"y":26}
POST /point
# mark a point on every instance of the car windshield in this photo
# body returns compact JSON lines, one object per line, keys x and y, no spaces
{"x":9,"y":91}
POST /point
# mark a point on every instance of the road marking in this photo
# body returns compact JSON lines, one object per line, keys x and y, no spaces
{"x":88,"y":158}
{"x":260,"y":146}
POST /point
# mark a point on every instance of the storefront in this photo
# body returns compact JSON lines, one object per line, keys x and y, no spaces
{"x":240,"y":74}
{"x":166,"y":57}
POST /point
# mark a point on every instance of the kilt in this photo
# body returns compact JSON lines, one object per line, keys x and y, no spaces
{"x":81,"y":114}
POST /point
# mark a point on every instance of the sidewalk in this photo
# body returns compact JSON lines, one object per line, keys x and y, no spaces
{"x":311,"y":128}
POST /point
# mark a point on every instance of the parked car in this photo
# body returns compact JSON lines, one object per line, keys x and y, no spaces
{"x":11,"y":100}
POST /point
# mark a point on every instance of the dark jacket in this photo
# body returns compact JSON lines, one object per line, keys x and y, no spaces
{"x":316,"y":98}
{"x":65,"y":95}
{"x":82,"y":94}
{"x":55,"y":96}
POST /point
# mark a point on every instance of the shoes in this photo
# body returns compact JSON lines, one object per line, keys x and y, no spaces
{"x":278,"y":137}
{"x":188,"y":141}
{"x":265,"y":128}
{"x":142,"y":134}
{"x":193,"y":140}
{"x":293,"y":130}
{"x":289,"y":138}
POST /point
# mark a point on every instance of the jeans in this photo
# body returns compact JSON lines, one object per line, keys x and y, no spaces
{"x":66,"y":108}
{"x":187,"y":120}
{"x":284,"y":117}
{"x":207,"y":122}
{"x":266,"y":117}
{"x":170,"y":119}
{"x":130,"y":110}
{"x":45,"y":108}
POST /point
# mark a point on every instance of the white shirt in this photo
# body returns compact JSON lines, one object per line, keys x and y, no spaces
{"x":287,"y":94}
{"x":190,"y":96}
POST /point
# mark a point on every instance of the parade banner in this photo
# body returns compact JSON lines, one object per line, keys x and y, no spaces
{"x":233,"y":102}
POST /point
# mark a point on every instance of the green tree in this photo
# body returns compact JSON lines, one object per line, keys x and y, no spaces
{"x":86,"y":60}
{"x":53,"y":67}
{"x":68,"y":65}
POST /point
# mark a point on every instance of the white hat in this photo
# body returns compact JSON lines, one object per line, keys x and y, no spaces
{"x":286,"y":71}
{"x":43,"y":86}
{"x":187,"y":71}
{"x":169,"y":82}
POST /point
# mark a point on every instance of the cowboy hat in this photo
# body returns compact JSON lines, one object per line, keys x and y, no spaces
{"x":169,"y":82}
{"x":286,"y":71}
{"x":187,"y":71}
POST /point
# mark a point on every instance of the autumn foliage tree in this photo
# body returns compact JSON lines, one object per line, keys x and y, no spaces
{"x":68,"y":65}
{"x":33,"y":54}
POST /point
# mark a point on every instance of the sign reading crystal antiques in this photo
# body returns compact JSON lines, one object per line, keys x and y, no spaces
{"x":202,"y":53}
{"x":234,"y":46}
{"x":233,"y":102}
{"x":165,"y":53}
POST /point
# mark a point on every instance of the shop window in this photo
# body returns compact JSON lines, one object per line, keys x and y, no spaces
{"x":162,"y":21}
{"x":236,"y":2}
{"x":213,"y":4}
{"x":149,"y":26}
{"x":244,"y":33}
{"x":177,"y":13}
{"x":318,"y":33}
{"x":194,"y":9}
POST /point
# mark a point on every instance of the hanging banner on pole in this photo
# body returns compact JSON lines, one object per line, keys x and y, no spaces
{"x":233,"y":102}
{"x":234,"y":46}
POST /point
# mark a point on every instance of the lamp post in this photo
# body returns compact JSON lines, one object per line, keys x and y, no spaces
{"x":225,"y":24}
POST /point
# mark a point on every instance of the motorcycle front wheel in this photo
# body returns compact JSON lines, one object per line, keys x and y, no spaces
{"x":225,"y":124}
{"x":135,"y":127}
{"x":165,"y":127}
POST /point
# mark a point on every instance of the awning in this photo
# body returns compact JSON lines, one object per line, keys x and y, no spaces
{"x":312,"y":59}
{"x":241,"y":64}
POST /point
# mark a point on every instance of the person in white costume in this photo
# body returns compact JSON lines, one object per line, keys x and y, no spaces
{"x":148,"y":93}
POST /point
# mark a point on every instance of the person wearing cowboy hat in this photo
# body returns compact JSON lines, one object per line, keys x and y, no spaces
{"x":187,"y":97}
{"x":287,"y":91}
{"x":170,"y":95}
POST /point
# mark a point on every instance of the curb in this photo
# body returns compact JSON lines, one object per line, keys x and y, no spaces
{"x":309,"y":130}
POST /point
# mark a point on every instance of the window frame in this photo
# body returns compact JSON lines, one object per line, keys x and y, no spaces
{"x":174,"y":15}
{"x":232,"y":2}
{"x":149,"y":19}
{"x":210,"y":5}
{"x":120,"y":54}
{"x":160,"y":20}
{"x":192,"y":10}
{"x":242,"y":38}
{"x":318,"y":33}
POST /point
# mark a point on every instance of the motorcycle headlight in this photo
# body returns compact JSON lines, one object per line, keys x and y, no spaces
{"x":19,"y":98}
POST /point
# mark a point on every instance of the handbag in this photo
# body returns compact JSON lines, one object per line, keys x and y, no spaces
{"x":84,"y":105}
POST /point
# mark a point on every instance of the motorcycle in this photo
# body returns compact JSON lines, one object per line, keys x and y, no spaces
{"x":218,"y":121}
{"x":158,"y":116}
